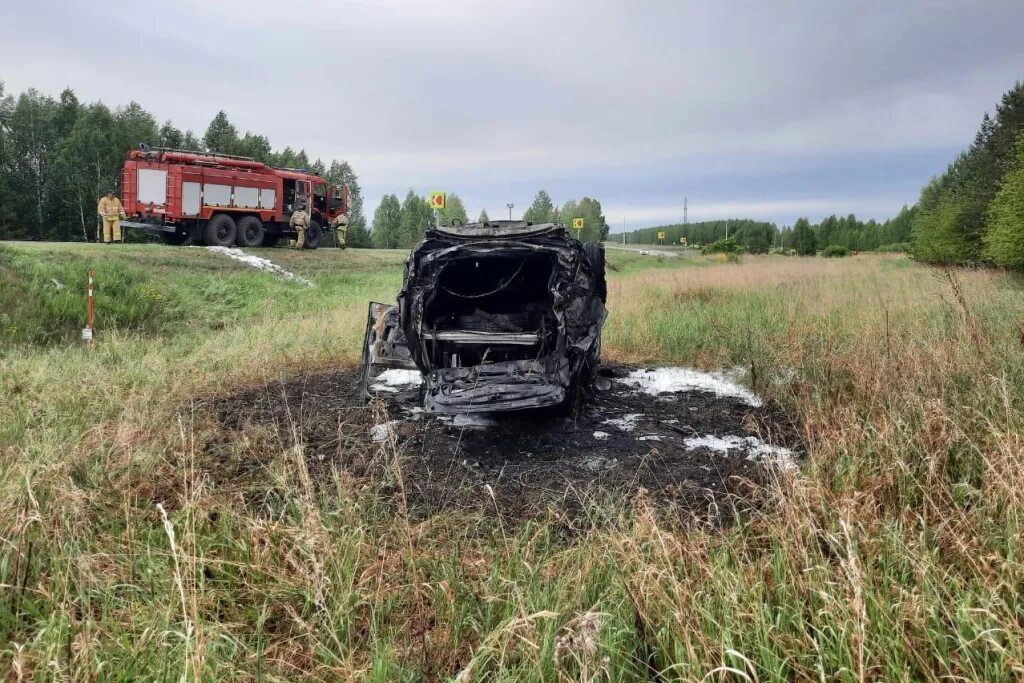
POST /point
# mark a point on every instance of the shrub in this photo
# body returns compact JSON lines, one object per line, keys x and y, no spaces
{"x":895,"y":248}
{"x":835,"y":251}
{"x":723,"y":246}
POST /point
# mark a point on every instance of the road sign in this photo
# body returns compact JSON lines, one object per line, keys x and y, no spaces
{"x":661,"y":235}
{"x":437,"y":200}
{"x":682,"y":241}
{"x":577,"y":223}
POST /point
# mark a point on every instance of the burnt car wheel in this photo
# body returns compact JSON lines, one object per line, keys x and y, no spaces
{"x":220,"y":231}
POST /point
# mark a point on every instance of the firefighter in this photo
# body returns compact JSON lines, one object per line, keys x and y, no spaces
{"x":299,"y":222}
{"x":340,"y":225}
{"x":111,"y":211}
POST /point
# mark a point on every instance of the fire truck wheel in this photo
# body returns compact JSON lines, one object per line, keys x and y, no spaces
{"x":313,"y":234}
{"x":250,"y":232}
{"x":220,"y":231}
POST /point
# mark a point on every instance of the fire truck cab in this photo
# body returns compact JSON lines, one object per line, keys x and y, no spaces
{"x":223,"y":200}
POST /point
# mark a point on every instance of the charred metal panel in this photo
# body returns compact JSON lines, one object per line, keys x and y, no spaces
{"x":497,"y":316}
{"x":384,"y":344}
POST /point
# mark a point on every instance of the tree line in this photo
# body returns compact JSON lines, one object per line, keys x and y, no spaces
{"x":58,"y":156}
{"x":402,"y":224}
{"x":544,"y":210}
{"x":974,"y":212}
{"x":760,"y":237}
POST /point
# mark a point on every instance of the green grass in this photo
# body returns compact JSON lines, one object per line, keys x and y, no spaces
{"x":157,"y":290}
{"x":894,"y":554}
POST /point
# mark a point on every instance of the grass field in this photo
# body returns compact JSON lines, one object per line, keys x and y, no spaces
{"x":894,"y":553}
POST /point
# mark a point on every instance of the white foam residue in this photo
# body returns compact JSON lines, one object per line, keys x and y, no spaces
{"x":601,"y":436}
{"x":626,"y":423}
{"x":382,"y":432}
{"x":397,"y":377}
{"x":751,"y":445}
{"x":260,"y":263}
{"x":672,"y":380}
{"x":472,"y":420}
{"x":649,"y":437}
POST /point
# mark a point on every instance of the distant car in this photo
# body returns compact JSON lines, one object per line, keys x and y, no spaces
{"x":497,"y":316}
{"x":644,"y":252}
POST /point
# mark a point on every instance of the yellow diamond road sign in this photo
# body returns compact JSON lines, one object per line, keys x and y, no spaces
{"x":661,"y":235}
{"x":577,"y":223}
{"x":437,"y":200}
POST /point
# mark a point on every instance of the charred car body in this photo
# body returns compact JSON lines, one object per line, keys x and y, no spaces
{"x":497,"y":316}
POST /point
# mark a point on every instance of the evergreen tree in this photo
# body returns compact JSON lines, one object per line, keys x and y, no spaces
{"x":542,"y":210}
{"x":938,"y":235}
{"x":595,"y":227}
{"x":484,"y":218}
{"x":416,"y":216}
{"x":341,"y":173}
{"x":66,"y":114}
{"x":221,"y":135}
{"x":755,"y":237}
{"x":1004,"y":241}
{"x":171,"y":137}
{"x":133,"y":125}
{"x":453,"y":210}
{"x":804,"y":240}
{"x":255,"y":146}
{"x":954,"y":209}
{"x":387,"y":222}
{"x":190,"y":142}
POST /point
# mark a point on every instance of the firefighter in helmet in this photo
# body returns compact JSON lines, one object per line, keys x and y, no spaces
{"x":299,"y":222}
{"x":111,"y":211}
{"x":340,"y":225}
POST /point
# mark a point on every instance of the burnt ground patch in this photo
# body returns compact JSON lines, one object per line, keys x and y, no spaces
{"x":519,"y":464}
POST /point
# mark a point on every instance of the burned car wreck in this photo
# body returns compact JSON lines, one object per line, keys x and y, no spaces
{"x":497,"y":316}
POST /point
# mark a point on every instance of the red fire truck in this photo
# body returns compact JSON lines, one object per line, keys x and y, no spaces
{"x":223,"y":200}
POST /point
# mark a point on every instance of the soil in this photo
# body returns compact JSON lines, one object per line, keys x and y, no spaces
{"x":520,"y":465}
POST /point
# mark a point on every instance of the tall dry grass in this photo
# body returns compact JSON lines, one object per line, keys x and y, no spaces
{"x":894,"y":553}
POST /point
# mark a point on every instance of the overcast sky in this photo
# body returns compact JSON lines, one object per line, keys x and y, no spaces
{"x":750,"y":109}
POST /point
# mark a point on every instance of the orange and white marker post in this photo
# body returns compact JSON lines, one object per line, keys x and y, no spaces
{"x":89,"y":333}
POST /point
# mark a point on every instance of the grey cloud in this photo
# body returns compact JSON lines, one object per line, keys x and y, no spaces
{"x":450,"y":94}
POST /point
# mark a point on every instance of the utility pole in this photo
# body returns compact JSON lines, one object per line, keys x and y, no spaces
{"x":623,"y":231}
{"x":684,"y":211}
{"x":726,"y":228}
{"x":509,"y":205}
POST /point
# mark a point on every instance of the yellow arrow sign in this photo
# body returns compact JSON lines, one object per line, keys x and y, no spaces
{"x":437,"y":200}
{"x":661,"y":235}
{"x":577,"y":223}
